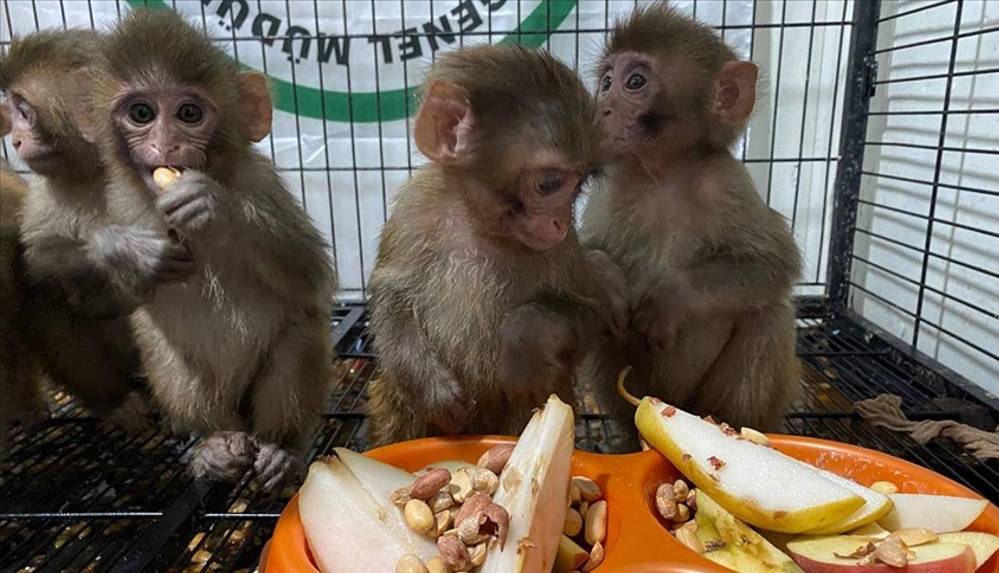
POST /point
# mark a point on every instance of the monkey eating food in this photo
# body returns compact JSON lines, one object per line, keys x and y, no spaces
{"x":708,"y":267}
{"x":481,"y":297}
{"x":240,"y":351}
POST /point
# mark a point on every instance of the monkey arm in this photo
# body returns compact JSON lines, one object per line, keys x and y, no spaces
{"x":409,"y":360}
{"x":64,"y":263}
{"x":734,"y":283}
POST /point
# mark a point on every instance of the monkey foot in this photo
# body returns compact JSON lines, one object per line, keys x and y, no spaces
{"x":134,"y":414}
{"x":276,"y":466}
{"x":223,"y":455}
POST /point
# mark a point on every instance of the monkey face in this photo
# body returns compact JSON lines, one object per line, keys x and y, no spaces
{"x":540,"y":213}
{"x":165,"y":127}
{"x":31,"y":140}
{"x":626,"y":97}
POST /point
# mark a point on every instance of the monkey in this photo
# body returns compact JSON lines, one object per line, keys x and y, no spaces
{"x":481,"y":298}
{"x":707,"y":266}
{"x":19,"y":370}
{"x":240,"y":351}
{"x":75,"y":319}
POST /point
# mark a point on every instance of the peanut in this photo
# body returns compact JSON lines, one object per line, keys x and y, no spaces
{"x":496,"y":457}
{"x":687,"y":535}
{"x":483,"y":480}
{"x":443,"y":521}
{"x":755,"y":436}
{"x":588,"y":489}
{"x":427,"y":485}
{"x":665,"y":503}
{"x":440,"y":501}
{"x":454,"y":553}
{"x":164,"y":176}
{"x":478,"y":554}
{"x":418,"y":516}
{"x":596,"y":557}
{"x":461,"y":486}
{"x":410,"y":563}
{"x":682,"y":513}
{"x":680,"y":490}
{"x":574,"y":494}
{"x":692,"y":500}
{"x":469,"y":532}
{"x":884,"y":487}
{"x":472,"y":506}
{"x":437,"y":565}
{"x":573,"y":523}
{"x":596,"y":523}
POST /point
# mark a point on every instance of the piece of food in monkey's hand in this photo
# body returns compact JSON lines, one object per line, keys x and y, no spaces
{"x":164,"y":176}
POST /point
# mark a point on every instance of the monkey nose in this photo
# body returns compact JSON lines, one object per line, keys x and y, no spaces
{"x":16,"y":143}
{"x":606,"y":112}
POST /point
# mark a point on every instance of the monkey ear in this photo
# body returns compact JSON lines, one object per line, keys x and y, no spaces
{"x":735,"y":92}
{"x":256,"y":101}
{"x":444,"y":122}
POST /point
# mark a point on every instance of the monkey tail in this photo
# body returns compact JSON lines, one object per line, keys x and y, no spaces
{"x":624,"y":392}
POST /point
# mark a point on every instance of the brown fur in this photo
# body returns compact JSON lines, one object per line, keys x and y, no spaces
{"x":239,"y":351}
{"x":74,"y":321}
{"x":452,"y":297}
{"x":708,"y":266}
{"x":19,"y":372}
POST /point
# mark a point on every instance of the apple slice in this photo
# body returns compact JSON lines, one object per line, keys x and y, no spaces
{"x":871,"y":530}
{"x":759,"y":485}
{"x":348,"y":531}
{"x":939,"y":513}
{"x":983,"y":544}
{"x":733,"y":544}
{"x":534,"y":488}
{"x":819,"y":555}
{"x":875,"y":506}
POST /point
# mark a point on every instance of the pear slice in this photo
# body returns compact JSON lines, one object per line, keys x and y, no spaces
{"x":757,"y":484}
{"x":534,"y":488}
{"x":348,"y":530}
{"x":875,"y":506}
{"x":733,"y":544}
{"x":378,"y":479}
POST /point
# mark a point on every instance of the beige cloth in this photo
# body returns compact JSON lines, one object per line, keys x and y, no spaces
{"x":886,"y":411}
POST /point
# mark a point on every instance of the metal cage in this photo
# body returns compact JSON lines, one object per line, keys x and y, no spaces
{"x":874,"y":136}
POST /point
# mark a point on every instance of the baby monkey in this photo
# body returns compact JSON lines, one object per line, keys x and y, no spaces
{"x":75,"y":314}
{"x":481,"y":297}
{"x":708,"y":266}
{"x":240,"y":350}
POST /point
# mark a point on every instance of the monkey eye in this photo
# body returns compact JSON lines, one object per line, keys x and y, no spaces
{"x":549,"y":183}
{"x":190,"y":113}
{"x":605,"y":83}
{"x":635,"y":81}
{"x":141,"y":113}
{"x":23,"y":108}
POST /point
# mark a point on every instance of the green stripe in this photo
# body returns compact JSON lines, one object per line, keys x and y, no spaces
{"x":392,"y":105}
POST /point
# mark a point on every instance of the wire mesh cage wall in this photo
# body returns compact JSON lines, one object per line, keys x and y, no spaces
{"x":873,"y":135}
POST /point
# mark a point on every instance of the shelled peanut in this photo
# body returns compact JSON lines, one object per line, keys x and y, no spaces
{"x":457,"y":510}
{"x":585,"y":526}
{"x":676,"y":504}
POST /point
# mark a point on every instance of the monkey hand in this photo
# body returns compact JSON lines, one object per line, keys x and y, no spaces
{"x":611,"y":279}
{"x":222,"y":455}
{"x":275,"y":466}
{"x":444,"y":404}
{"x":189,"y":204}
{"x":538,"y":355}
{"x":138,"y":260}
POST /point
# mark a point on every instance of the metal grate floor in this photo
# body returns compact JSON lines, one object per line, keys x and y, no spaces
{"x":77,"y":496}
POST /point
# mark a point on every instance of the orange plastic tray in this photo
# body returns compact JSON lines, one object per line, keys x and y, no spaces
{"x":636,"y":539}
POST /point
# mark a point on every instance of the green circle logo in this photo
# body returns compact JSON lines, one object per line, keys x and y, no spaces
{"x":364,"y":107}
